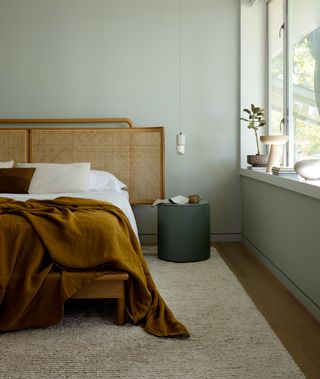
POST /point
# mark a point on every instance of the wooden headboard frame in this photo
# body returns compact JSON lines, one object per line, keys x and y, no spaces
{"x":134,"y":154}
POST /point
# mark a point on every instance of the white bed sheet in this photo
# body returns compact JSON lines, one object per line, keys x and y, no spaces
{"x":119,"y":199}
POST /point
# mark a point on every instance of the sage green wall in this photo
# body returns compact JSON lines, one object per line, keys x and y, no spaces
{"x":282,"y":228}
{"x":82,"y":58}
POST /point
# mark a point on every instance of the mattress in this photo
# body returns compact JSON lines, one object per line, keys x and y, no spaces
{"x":119,"y":199}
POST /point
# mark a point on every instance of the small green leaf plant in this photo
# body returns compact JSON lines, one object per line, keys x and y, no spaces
{"x":255,"y":120}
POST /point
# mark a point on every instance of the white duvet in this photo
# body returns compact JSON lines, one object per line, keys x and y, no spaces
{"x":119,"y":199}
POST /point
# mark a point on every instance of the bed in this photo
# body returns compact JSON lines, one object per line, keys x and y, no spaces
{"x":132,"y":154}
{"x":109,"y":286}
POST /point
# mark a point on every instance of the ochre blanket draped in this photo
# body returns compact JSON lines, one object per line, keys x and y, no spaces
{"x":42,"y":241}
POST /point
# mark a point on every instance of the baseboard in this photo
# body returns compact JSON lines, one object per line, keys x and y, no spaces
{"x":214,"y":237}
{"x":225,"y":237}
{"x":146,"y":239}
{"x":295,"y":290}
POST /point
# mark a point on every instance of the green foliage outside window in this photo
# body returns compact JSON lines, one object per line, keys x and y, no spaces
{"x":305,"y":85}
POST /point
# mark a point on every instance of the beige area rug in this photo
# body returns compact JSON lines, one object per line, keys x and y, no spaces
{"x":229,"y":337}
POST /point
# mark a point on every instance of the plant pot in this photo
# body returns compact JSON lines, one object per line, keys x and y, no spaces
{"x":258,"y":160}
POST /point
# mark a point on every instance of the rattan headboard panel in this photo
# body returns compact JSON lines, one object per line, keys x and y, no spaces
{"x":134,"y":155}
{"x":14,"y":145}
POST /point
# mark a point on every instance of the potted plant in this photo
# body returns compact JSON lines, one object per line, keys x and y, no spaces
{"x":255,"y":119}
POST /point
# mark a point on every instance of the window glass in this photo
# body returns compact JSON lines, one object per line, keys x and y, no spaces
{"x":305,"y":77}
{"x":276,"y":66}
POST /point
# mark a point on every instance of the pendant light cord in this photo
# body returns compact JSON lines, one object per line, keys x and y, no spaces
{"x":180,"y":64}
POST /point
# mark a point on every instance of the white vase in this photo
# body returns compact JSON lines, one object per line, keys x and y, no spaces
{"x":308,"y":168}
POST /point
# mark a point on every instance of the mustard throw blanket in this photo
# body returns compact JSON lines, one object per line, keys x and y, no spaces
{"x":42,"y":241}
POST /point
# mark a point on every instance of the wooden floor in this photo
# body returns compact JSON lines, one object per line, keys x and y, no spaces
{"x":297,"y":329}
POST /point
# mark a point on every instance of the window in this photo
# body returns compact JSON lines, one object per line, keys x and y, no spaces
{"x":276,"y":66}
{"x":294,"y":75}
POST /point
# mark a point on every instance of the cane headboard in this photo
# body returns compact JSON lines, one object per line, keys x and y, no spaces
{"x":134,"y":154}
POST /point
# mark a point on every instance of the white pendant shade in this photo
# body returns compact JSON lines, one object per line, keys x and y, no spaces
{"x":181,"y":143}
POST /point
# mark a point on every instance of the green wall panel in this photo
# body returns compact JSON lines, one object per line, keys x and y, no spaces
{"x":284,"y":226}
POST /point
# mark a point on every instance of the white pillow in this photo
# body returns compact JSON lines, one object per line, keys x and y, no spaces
{"x":59,"y":178}
{"x":104,"y":181}
{"x":8,"y":164}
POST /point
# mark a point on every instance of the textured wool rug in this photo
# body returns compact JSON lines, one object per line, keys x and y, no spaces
{"x":229,"y":337}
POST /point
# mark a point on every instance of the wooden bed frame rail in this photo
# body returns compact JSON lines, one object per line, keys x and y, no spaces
{"x":109,"y":286}
{"x":96,"y":120}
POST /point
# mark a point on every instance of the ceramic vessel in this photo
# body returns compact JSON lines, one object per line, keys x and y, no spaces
{"x":275,"y":143}
{"x":308,"y":168}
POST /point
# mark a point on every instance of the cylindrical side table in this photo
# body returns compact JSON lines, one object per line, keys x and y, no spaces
{"x":184,"y":232}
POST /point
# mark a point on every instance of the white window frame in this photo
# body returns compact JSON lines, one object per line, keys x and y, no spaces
{"x":287,"y":73}
{"x":289,"y":126}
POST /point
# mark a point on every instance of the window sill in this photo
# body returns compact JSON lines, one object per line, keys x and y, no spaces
{"x":305,"y":187}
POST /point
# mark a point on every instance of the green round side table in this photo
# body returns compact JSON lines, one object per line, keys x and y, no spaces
{"x":184,"y":232}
